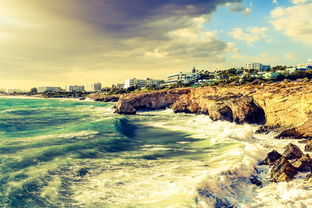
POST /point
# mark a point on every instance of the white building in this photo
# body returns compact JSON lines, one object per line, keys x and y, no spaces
{"x":258,"y":66}
{"x":48,"y":89}
{"x":141,"y":83}
{"x":183,"y":77}
{"x":75,"y":88}
{"x":93,"y":87}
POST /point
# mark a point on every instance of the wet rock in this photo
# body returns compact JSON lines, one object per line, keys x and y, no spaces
{"x":271,"y":158}
{"x":125,"y":108}
{"x":309,"y":178}
{"x":283,"y":170}
{"x":267,"y":129}
{"x":82,"y":172}
{"x":308,"y":147}
{"x":292,"y":152}
{"x":255,"y":180}
{"x":107,"y":99}
{"x":303,"y":164}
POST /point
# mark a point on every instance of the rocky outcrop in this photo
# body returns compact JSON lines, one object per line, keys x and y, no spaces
{"x":283,"y":170}
{"x":230,"y":107}
{"x":286,"y":166}
{"x":271,"y":158}
{"x":308,"y":147}
{"x":303,"y":164}
{"x":292,"y":152}
{"x":285,"y":107}
{"x":100,"y":97}
{"x":154,"y":100}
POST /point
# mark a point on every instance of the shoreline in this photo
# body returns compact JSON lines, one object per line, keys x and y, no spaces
{"x":281,"y":107}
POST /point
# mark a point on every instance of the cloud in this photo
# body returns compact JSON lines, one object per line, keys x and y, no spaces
{"x":238,"y":7}
{"x":300,"y":1}
{"x":275,"y":1}
{"x":294,"y":21}
{"x":250,"y":35}
{"x":61,"y":40}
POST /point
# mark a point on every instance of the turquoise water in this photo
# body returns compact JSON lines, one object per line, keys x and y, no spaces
{"x":65,"y":153}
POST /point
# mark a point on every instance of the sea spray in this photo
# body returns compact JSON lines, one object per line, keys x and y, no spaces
{"x":80,"y":154}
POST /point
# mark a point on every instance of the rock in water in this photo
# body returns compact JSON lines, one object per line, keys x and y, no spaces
{"x":309,"y":178}
{"x":292,"y":152}
{"x":125,"y":108}
{"x":271,"y":158}
{"x":283,"y":170}
{"x":303,"y":164}
{"x":308,"y":147}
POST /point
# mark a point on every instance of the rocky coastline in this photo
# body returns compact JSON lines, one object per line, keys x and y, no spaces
{"x":284,"y":107}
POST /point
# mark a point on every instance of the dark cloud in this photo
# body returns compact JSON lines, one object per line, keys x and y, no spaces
{"x":120,"y":16}
{"x":60,"y":36}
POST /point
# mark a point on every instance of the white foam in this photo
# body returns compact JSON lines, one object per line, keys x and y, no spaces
{"x":229,"y":174}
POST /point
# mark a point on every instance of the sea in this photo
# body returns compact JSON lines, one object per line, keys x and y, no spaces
{"x":70,"y":153}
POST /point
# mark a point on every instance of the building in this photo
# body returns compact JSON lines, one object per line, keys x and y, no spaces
{"x":183,"y":77}
{"x":95,"y":87}
{"x":140,"y":83}
{"x":120,"y":86}
{"x":75,"y":88}
{"x":271,"y":75}
{"x":258,"y":67}
{"x":48,"y":89}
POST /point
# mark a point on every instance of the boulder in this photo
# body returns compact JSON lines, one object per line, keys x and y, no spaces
{"x":282,"y":170}
{"x":308,"y":147}
{"x":303,"y":164}
{"x":271,"y":158}
{"x":125,"y":108}
{"x":292,"y":152}
{"x":309,"y":178}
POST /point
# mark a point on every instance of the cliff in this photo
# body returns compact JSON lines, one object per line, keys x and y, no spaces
{"x":130,"y":103}
{"x":285,"y":107}
{"x":101,"y":97}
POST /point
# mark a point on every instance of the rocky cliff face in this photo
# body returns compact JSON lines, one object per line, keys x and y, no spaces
{"x":285,"y":107}
{"x":130,"y":103}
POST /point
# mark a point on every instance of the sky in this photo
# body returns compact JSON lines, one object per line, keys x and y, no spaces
{"x":59,"y":43}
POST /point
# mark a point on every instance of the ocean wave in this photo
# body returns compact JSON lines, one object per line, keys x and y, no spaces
{"x":228,"y":182}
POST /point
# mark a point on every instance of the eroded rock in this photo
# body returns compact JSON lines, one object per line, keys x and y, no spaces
{"x":308,"y":147}
{"x":282,"y":170}
{"x":292,"y":152}
{"x":303,"y":164}
{"x":271,"y":158}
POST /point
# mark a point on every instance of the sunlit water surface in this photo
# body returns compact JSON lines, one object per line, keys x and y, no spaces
{"x":67,"y":153}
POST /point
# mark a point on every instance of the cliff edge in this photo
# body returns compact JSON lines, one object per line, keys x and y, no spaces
{"x":285,"y":107}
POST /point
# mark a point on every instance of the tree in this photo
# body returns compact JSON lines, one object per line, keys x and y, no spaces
{"x":33,"y":91}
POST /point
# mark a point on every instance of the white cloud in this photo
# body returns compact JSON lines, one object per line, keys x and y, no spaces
{"x":250,"y":35}
{"x":275,"y":1}
{"x":300,"y":1}
{"x":294,"y":21}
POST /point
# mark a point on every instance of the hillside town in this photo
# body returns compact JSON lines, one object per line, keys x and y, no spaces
{"x":251,"y":72}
